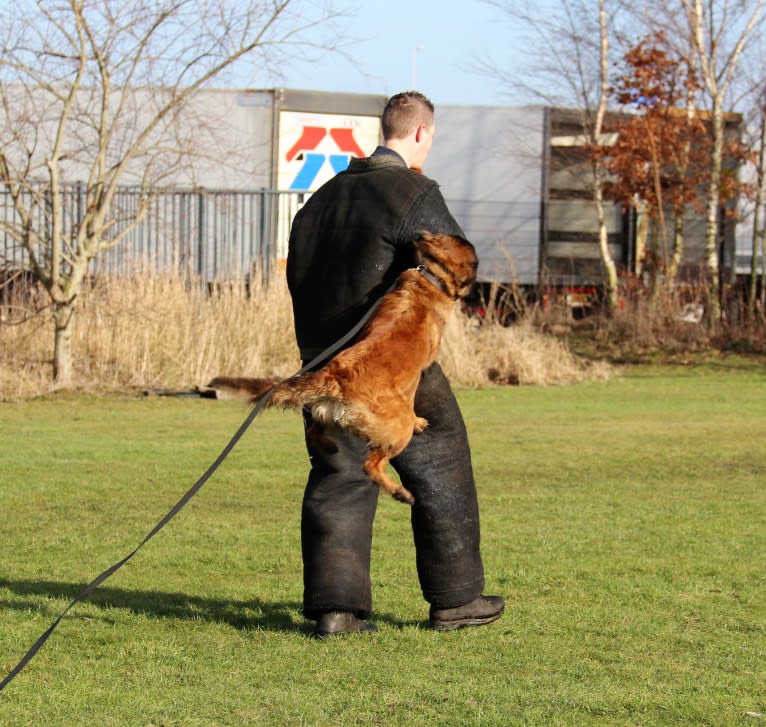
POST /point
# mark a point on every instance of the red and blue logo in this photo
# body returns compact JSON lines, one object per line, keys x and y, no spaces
{"x":313,"y":161}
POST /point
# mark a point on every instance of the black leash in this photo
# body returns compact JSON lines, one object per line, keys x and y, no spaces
{"x":193,"y":490}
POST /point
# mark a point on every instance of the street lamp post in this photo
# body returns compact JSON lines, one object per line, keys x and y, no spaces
{"x":414,"y":75}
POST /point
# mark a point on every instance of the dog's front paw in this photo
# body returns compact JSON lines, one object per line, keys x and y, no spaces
{"x":420,"y":425}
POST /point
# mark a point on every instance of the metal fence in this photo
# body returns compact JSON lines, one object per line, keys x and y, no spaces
{"x":212,"y":235}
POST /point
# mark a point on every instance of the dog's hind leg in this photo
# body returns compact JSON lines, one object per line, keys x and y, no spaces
{"x":420,"y":425}
{"x":375,"y":469}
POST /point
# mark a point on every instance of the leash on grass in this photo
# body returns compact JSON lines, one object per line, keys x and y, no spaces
{"x":96,"y":582}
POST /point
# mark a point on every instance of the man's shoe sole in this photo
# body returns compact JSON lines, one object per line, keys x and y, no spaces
{"x":461,"y":623}
{"x":367,"y":629}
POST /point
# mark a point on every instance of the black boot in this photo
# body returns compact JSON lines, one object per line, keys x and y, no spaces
{"x":480,"y":611}
{"x":341,"y":623}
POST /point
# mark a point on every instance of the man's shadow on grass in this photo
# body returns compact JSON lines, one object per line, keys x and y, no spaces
{"x":248,"y":614}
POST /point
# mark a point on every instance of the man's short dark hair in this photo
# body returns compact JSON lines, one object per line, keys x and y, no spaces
{"x":405,"y":112}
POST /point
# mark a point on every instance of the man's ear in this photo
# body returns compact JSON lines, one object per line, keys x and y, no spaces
{"x":419,"y":132}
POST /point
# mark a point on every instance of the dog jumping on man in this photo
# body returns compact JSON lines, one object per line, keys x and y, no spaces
{"x":369,"y":388}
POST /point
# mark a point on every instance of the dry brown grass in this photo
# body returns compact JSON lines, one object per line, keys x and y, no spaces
{"x":478,"y":355}
{"x":666,"y":320}
{"x":662,"y":326}
{"x":155,"y":331}
{"x":646,"y":326}
{"x":150,"y":331}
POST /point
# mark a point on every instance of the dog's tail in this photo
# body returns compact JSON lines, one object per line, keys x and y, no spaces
{"x":242,"y":388}
{"x":293,"y":393}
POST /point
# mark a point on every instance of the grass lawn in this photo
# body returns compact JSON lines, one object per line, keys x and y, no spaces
{"x":624,"y":522}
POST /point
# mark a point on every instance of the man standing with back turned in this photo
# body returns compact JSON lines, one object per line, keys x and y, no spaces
{"x":347,"y":246}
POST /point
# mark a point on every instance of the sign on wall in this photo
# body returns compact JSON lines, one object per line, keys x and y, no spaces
{"x":315,"y":147}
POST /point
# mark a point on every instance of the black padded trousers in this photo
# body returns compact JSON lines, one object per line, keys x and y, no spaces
{"x":340,"y":502}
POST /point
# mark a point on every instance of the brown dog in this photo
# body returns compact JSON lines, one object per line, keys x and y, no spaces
{"x":369,"y":388}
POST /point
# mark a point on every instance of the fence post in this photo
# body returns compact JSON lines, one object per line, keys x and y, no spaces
{"x":201,"y":218}
{"x":265,"y":257}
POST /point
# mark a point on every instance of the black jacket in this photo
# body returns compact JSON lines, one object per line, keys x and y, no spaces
{"x":351,"y":240}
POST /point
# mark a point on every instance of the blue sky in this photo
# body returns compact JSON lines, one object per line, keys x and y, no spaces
{"x":434,"y":41}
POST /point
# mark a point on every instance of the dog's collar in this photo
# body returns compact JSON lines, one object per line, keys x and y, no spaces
{"x":431,"y":278}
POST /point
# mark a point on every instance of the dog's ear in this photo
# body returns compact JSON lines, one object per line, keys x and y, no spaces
{"x":468,"y":277}
{"x":467,"y":269}
{"x":417,"y":245}
{"x":427,"y":246}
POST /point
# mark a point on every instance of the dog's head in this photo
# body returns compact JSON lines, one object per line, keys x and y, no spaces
{"x":450,"y":259}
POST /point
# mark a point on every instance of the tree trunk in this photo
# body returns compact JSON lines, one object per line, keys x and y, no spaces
{"x":678,"y":219}
{"x":658,"y":195}
{"x":757,"y":241}
{"x":678,"y":248}
{"x":712,"y":226}
{"x":763,"y":273}
{"x":63,"y":317}
{"x":754,"y":271}
{"x":610,"y":269}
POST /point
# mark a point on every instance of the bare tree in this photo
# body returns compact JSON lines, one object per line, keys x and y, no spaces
{"x":599,"y":170}
{"x":758,"y":243}
{"x":750,"y":97}
{"x":715,"y":36}
{"x":569,"y":57}
{"x":717,"y":63}
{"x":96,"y":91}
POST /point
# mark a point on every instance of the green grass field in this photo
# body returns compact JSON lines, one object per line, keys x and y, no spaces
{"x":624,"y":522}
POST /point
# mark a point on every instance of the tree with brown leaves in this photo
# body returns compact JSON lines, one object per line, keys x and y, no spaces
{"x":659,"y":160}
